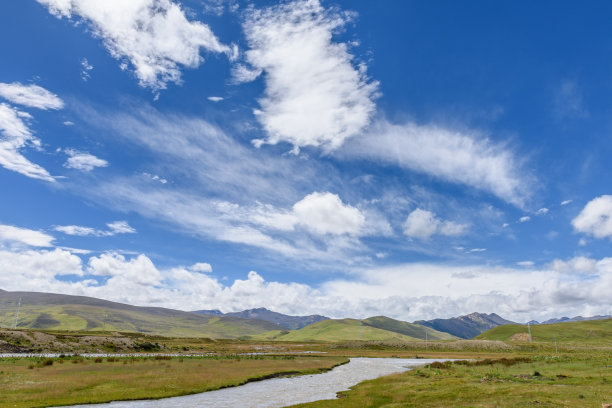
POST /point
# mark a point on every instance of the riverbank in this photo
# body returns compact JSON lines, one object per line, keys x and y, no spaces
{"x":43,"y":382}
{"x":566,"y":380}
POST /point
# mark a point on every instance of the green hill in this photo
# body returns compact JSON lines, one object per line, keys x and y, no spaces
{"x":405,"y":328}
{"x":378,"y":328}
{"x":591,"y":331}
{"x":63,"y":312}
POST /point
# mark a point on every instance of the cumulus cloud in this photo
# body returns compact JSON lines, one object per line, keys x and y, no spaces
{"x":139,"y":269}
{"x":155,"y":36}
{"x":320,"y":213}
{"x":16,"y":135}
{"x":83,"y":161}
{"x":525,"y":218}
{"x":459,"y":157}
{"x":201,"y":267}
{"x":407,"y":291}
{"x":32,"y":96}
{"x":11,"y":234}
{"x":114,"y":228}
{"x":423,"y":224}
{"x":215,"y":98}
{"x":595,"y":219}
{"x":542,"y":211}
{"x":316,"y":94}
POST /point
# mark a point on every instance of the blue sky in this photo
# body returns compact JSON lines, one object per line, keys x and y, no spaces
{"x":417,"y":160}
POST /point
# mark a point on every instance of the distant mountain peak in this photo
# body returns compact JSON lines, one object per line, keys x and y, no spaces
{"x":467,"y":326}
{"x":282,"y":320}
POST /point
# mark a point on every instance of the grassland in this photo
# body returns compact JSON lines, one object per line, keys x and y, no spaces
{"x":566,"y":365}
{"x":590,"y":332}
{"x":583,"y":380}
{"x":26,"y":382}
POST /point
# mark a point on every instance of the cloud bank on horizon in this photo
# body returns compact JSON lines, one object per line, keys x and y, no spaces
{"x":361,"y":167}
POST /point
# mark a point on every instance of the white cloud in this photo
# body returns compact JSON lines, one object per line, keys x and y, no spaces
{"x":524,"y":218}
{"x":215,"y":98}
{"x":15,"y":135}
{"x":453,"y":156}
{"x":83,"y":161}
{"x":526,"y":264}
{"x":76,"y":230}
{"x":241,"y":74}
{"x":566,"y":202}
{"x":139,"y":269}
{"x":423,"y":224}
{"x":85,"y":68}
{"x":229,"y":181}
{"x":596,"y":218}
{"x":409,"y":291}
{"x":155,"y":177}
{"x":155,"y":36}
{"x":542,"y":211}
{"x":315,"y":94}
{"x":32,"y":96}
{"x":11,"y":234}
{"x":114,"y":228}
{"x":120,"y":227}
{"x":325,"y":213}
{"x":580,"y":265}
{"x":201,"y":267}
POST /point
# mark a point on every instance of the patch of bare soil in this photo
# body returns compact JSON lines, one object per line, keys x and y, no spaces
{"x":520,"y":337}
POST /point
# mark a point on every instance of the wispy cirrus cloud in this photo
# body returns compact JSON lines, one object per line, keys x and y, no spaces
{"x":114,"y":228}
{"x":32,"y":96}
{"x":316,"y":94}
{"x":154,"y":36}
{"x":25,"y":236}
{"x":461,"y":157}
{"x":15,"y":136}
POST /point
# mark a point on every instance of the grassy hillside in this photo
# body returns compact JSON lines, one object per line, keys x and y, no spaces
{"x":63,"y":312}
{"x":379,"y":328}
{"x":340,"y":330}
{"x":405,"y":328}
{"x":592,"y":332}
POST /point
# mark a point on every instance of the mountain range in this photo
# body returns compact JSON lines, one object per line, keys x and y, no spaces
{"x":50,"y":311}
{"x":571,"y":319}
{"x":468,"y":326}
{"x":284,"y":321}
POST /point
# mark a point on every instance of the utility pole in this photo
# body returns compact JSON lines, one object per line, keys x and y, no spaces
{"x":529,"y":329}
{"x":17,"y":314}
{"x":104,"y":323}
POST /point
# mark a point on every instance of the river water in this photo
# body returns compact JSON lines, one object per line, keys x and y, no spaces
{"x":280,"y":392}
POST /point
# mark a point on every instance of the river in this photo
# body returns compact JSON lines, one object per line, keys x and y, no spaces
{"x":281,"y":392}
